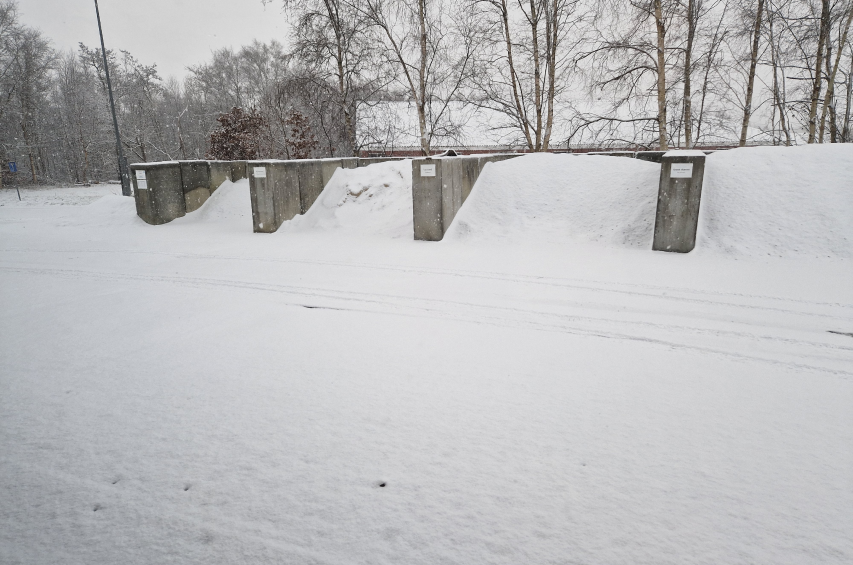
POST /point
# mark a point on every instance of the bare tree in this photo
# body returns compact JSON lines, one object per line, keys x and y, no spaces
{"x":334,"y":40}
{"x":432,"y":48}
{"x":753,"y":61}
{"x":823,"y":35}
{"x":521,"y":62}
{"x":832,"y":73}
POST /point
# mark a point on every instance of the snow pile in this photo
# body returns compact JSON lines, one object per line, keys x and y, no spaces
{"x":372,"y":200}
{"x":548,"y":198}
{"x":229,"y":204}
{"x":779,"y":201}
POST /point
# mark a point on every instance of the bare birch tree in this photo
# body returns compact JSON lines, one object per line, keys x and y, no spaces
{"x":753,"y":62}
{"x":832,"y":73}
{"x":521,"y":60}
{"x":432,"y":48}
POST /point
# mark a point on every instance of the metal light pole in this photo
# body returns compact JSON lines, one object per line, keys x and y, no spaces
{"x":122,"y":162}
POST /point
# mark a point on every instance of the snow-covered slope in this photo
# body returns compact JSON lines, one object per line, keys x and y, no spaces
{"x":776,"y":201}
{"x":372,"y":200}
{"x":548,"y":198}
{"x":779,"y":201}
{"x":230,"y":205}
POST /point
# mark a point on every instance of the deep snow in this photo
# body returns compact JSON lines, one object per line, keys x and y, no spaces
{"x":562,"y":198}
{"x":373,"y":200}
{"x":196,"y":393}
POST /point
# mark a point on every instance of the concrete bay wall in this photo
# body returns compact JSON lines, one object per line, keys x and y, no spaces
{"x":440,"y":185}
{"x":280,"y":190}
{"x":679,"y":196}
{"x":158,"y":191}
{"x":168,"y":190}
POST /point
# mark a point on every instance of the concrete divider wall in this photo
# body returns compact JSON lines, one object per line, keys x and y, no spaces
{"x":175,"y":188}
{"x":679,"y":196}
{"x":284,"y":189}
{"x":220,"y":171}
{"x":158,"y":191}
{"x":195,"y":177}
{"x":238,"y":170}
{"x":437,"y":199}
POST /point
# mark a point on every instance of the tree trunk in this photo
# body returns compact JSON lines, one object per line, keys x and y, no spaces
{"x":537,"y":85}
{"x":335,"y":20}
{"x":716,"y":40}
{"x":832,"y":71}
{"x":688,"y":61}
{"x":777,"y":92}
{"x":519,"y":108}
{"x":845,"y":131}
{"x":661,"y":35}
{"x":818,"y":69}
{"x":421,"y":102}
{"x":553,"y":39}
{"x":750,"y":84}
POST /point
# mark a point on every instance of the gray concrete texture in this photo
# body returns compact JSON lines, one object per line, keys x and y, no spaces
{"x":679,"y":196}
{"x":162,"y":199}
{"x":238,"y":170}
{"x":437,"y":199}
{"x":195,"y":177}
{"x":176,"y":188}
{"x":220,"y":171}
{"x":288,"y":188}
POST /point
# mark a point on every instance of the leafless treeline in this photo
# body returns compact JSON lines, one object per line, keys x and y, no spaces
{"x":536,"y":74}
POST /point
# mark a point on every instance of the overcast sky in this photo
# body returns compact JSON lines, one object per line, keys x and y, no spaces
{"x":171,"y":33}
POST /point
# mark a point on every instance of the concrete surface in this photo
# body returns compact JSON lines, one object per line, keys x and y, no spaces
{"x":291,"y":187}
{"x":238,"y":170}
{"x":163,"y":200}
{"x":436,"y":200}
{"x":220,"y":171}
{"x":678,"y":202}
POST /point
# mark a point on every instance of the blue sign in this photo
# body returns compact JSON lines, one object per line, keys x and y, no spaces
{"x":13,"y":167}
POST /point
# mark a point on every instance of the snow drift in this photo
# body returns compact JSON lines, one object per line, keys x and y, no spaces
{"x":760,"y":201}
{"x":372,"y":200}
{"x":230,"y":204}
{"x":778,"y":201}
{"x":549,"y":198}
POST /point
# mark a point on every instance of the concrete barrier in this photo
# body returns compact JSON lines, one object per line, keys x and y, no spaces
{"x":195,"y":178}
{"x":282,"y":189}
{"x":158,"y":191}
{"x":220,"y":171}
{"x":175,"y":188}
{"x":440,"y":185}
{"x":238,"y":170}
{"x":679,"y":195}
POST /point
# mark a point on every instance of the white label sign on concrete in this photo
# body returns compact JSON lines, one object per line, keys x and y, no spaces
{"x":260,"y":172}
{"x":681,"y":171}
{"x":427,"y":170}
{"x":141,"y":181}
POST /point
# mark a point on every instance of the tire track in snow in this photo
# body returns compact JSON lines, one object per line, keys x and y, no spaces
{"x":482,"y":313}
{"x":652,"y":291}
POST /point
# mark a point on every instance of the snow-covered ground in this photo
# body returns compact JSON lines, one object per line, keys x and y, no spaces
{"x":528,"y":391}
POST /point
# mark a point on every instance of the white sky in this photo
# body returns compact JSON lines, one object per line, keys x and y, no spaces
{"x":171,"y":33}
